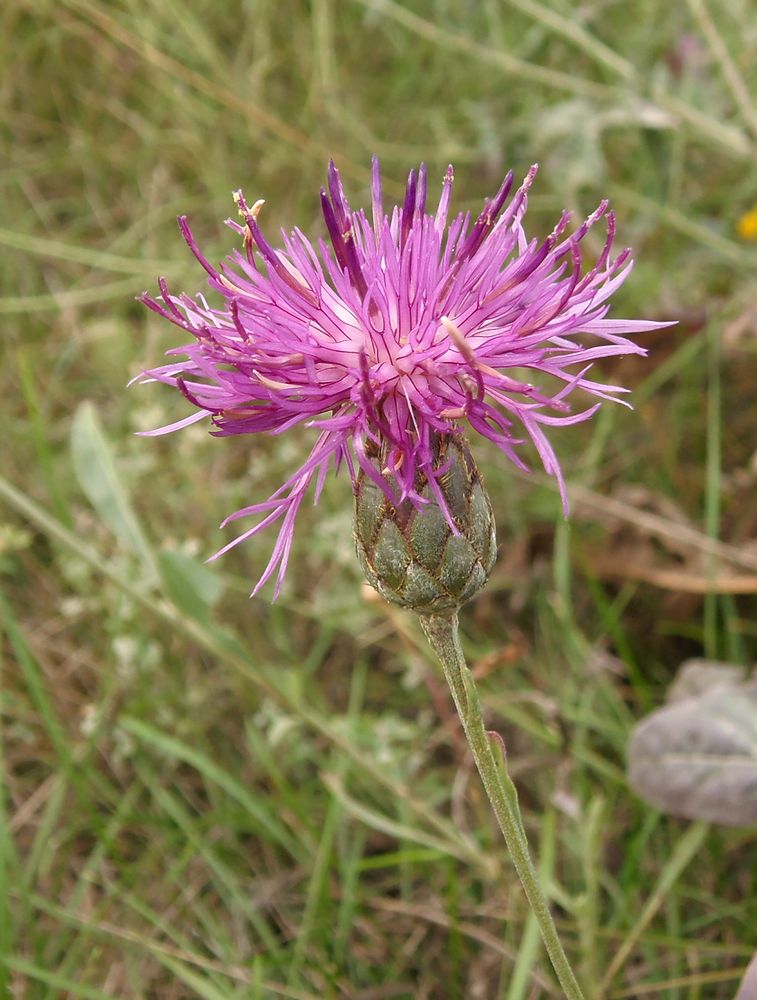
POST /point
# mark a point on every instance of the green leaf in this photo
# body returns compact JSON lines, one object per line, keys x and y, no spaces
{"x":201,"y":986}
{"x":96,"y":471}
{"x":259,"y":808}
{"x":192,"y":586}
{"x":77,"y":991}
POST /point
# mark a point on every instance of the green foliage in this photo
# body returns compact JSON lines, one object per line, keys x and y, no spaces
{"x":211,"y":797}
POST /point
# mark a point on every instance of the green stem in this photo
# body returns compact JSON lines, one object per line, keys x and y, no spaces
{"x":441,"y":631}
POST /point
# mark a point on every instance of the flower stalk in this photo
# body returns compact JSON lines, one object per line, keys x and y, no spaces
{"x":442,"y":633}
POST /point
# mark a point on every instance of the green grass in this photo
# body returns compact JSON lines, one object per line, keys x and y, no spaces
{"x":207,"y":796}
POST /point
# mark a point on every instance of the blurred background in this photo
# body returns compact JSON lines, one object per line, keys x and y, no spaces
{"x":207,"y":796}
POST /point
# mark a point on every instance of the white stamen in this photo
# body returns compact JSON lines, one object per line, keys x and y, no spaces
{"x":458,"y":339}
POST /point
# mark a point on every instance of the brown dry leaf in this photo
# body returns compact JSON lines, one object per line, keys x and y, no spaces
{"x":748,"y":987}
{"x":666,"y":559}
{"x":697,"y":756}
{"x":697,"y":675}
{"x":741,"y":329}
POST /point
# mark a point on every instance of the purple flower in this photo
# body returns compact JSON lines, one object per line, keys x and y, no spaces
{"x":400,"y":327}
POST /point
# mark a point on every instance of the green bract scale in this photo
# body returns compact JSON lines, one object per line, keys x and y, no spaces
{"x":411,"y":555}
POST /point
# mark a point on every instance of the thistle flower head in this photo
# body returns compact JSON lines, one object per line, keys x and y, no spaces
{"x":403,"y":326}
